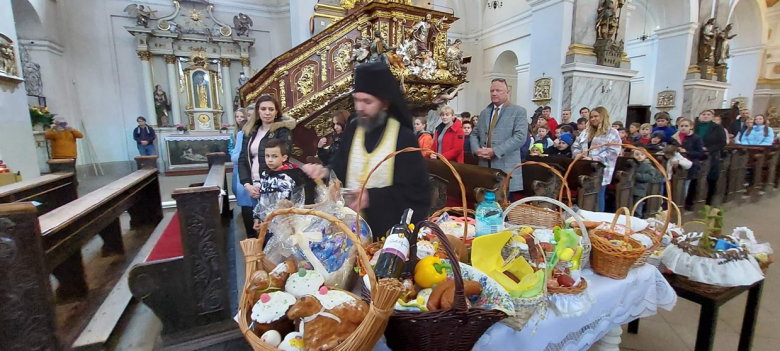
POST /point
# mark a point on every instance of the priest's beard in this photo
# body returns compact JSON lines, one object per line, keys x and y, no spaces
{"x":372,"y":123}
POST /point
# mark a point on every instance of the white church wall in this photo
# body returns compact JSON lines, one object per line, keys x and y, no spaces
{"x":643,"y":60}
{"x":17,"y":147}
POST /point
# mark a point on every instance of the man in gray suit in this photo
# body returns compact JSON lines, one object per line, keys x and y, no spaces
{"x":500,"y":133}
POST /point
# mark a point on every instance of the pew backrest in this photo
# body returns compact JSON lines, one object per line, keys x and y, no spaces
{"x":50,"y":191}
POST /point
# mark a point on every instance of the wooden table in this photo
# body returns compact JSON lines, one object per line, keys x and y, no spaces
{"x":708,"y":317}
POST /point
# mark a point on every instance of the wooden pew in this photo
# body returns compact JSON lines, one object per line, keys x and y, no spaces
{"x":584,"y":179}
{"x":700,"y":199}
{"x":623,"y":182}
{"x":475,"y":179}
{"x":67,"y":228}
{"x":736,"y":191}
{"x":64,"y":165}
{"x":771,"y":172}
{"x":721,"y":187}
{"x":50,"y":190}
{"x":189,"y":293}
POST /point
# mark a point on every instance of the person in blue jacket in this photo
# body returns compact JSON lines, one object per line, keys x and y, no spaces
{"x":756,"y":133}
{"x":243,"y":199}
{"x":662,"y":121}
{"x":144,"y":136}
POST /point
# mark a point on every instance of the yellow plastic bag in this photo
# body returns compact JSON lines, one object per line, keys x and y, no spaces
{"x":486,"y":256}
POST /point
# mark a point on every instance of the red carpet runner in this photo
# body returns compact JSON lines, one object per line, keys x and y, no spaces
{"x":169,"y":244}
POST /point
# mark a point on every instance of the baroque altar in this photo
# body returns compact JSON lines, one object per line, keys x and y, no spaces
{"x":199,"y":51}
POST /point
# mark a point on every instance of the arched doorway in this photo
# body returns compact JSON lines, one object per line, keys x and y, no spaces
{"x":747,"y":63}
{"x":504,"y":67}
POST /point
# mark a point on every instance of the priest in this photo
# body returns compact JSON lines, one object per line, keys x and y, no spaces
{"x":382,"y":125}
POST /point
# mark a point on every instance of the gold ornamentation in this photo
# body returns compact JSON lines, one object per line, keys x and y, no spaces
{"x":198,"y":59}
{"x":384,"y":30}
{"x":741,"y":100}
{"x":542,"y":90}
{"x":195,"y":15}
{"x":282,"y":93}
{"x":321,"y":99}
{"x":666,"y":99}
{"x":245,"y":62}
{"x":341,"y":58}
{"x":324,"y":64}
{"x":170,"y":59}
{"x":305,"y":81}
{"x":440,"y":47}
{"x":296,"y":151}
{"x":322,"y":125}
{"x":225,"y":61}
{"x":145,"y":55}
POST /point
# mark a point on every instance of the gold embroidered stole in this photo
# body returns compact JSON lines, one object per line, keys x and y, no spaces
{"x":362,"y":162}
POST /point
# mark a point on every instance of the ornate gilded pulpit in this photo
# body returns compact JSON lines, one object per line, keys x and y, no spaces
{"x":314,"y":79}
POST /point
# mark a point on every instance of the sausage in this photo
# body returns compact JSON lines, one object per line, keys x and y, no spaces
{"x":448,"y":297}
{"x":470,"y":288}
{"x":434,"y":302}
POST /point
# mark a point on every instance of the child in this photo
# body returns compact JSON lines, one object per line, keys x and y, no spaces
{"x":466,"y":136}
{"x":646,"y":173}
{"x":656,"y":142}
{"x":673,"y":158}
{"x":542,"y":137}
{"x":662,"y":121}
{"x":566,"y":129}
{"x":561,"y":146}
{"x":581,"y":124}
{"x":644,"y":135}
{"x":280,"y":181}
{"x":617,"y":124}
{"x":537,"y":149}
{"x":633,"y":131}
{"x":623,"y":135}
{"x":424,"y":137}
{"x":448,"y":138}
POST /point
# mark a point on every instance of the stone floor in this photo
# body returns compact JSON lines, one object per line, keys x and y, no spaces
{"x":676,"y":330}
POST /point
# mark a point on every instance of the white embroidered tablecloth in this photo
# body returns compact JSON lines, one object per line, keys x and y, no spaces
{"x":616,"y":302}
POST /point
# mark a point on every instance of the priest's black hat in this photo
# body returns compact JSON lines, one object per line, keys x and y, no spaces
{"x":375,"y":78}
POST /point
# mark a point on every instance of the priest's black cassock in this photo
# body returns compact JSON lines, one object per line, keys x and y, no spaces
{"x":410,"y":186}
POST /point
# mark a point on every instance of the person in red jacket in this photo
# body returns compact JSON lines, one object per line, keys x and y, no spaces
{"x":552,"y":124}
{"x":448,"y":138}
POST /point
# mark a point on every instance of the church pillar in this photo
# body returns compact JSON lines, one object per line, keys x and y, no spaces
{"x":245,"y":66}
{"x":587,"y":83}
{"x":523,"y":94}
{"x":744,"y":67}
{"x":227,"y":93}
{"x":548,"y":47}
{"x":146,"y":72}
{"x":173,"y":94}
{"x":672,"y":62}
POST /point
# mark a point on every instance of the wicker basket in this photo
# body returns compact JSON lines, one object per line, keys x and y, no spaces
{"x":527,"y":214}
{"x":383,"y":294}
{"x":650,"y":233}
{"x":453,"y":329}
{"x":610,"y":260}
{"x":572,"y":290}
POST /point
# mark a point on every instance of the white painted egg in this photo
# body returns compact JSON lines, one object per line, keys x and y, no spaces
{"x":272,"y":337}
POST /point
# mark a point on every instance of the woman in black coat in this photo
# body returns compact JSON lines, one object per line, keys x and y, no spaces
{"x":266,"y":124}
{"x":691,"y":145}
{"x":713,"y":136}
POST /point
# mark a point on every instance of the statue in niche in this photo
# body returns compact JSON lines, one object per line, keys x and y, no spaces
{"x":378,"y":49}
{"x":607,"y":22}
{"x":722,"y":47}
{"x":242,"y":79}
{"x":242,"y":24}
{"x":773,"y":117}
{"x":422,"y":30}
{"x":161,"y":106}
{"x":201,"y":89}
{"x":141,"y":13}
{"x":359,"y":53}
{"x":455,"y":62}
{"x":203,"y":98}
{"x":706,"y":40}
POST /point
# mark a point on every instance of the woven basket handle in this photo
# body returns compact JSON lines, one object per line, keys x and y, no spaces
{"x":459,"y":303}
{"x":666,"y":224}
{"x":452,"y":209}
{"x":631,"y":147}
{"x":333,"y":220}
{"x":693,"y":222}
{"x":416,"y":149}
{"x":627,"y":213}
{"x":564,"y":184}
{"x":569,"y":210}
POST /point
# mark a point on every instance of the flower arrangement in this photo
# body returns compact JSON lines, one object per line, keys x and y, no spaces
{"x":180,"y":127}
{"x":224,"y":126}
{"x":40,"y":115}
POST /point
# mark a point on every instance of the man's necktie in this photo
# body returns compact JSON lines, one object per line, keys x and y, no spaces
{"x":492,"y":125}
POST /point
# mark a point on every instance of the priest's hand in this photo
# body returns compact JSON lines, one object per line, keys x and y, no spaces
{"x":363,"y":204}
{"x":315,"y":171}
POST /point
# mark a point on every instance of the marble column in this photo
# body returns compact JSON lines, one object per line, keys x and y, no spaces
{"x":173,"y":86}
{"x":524,"y":85}
{"x":245,"y":64}
{"x":672,"y":62}
{"x":744,"y":66}
{"x":146,"y":72}
{"x":702,"y":94}
{"x":227,"y":93}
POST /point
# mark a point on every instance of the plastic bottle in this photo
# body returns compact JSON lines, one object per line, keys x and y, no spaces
{"x":490,"y":217}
